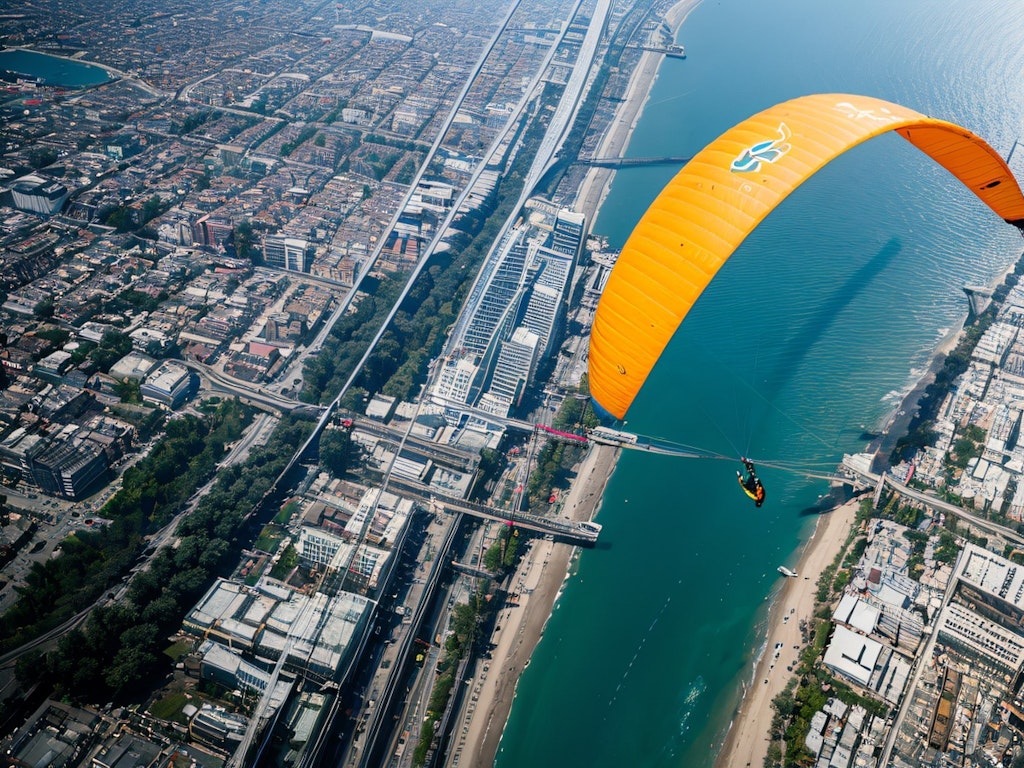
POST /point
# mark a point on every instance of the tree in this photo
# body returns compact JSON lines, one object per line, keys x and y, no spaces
{"x":502,"y":553}
{"x":44,"y":309}
{"x":784,"y":702}
{"x":152,"y":208}
{"x":40,"y":157}
{"x":113,"y":346}
{"x":465,"y":624}
{"x":244,"y":243}
{"x":119,"y":218}
{"x":335,"y":451}
{"x":130,"y":665}
{"x":129,"y":391}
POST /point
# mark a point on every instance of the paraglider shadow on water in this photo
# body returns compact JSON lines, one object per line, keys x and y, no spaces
{"x":807,"y":334}
{"x":812,"y":330}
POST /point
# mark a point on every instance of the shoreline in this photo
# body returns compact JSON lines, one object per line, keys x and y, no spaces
{"x":546,"y":566}
{"x":596,"y":185}
{"x":744,"y":742}
{"x":542,"y":573}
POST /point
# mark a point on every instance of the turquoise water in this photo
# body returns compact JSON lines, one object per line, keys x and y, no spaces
{"x":53,"y":70}
{"x":809,"y":333}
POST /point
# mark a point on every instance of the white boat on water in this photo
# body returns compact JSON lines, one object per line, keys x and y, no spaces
{"x":786,"y":572}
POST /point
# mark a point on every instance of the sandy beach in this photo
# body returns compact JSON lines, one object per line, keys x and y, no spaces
{"x":539,"y":578}
{"x":747,"y":740}
{"x":595,"y":186}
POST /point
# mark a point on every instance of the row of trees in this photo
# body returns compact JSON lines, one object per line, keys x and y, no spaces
{"x":576,"y":413}
{"x":120,"y":648}
{"x":504,"y":552}
{"x":326,"y":372}
{"x":304,"y":135}
{"x":153,"y":491}
{"x":467,"y":620}
{"x":555,"y":462}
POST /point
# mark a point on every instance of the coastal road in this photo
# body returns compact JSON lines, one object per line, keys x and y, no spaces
{"x":928,"y":499}
{"x":969,"y":517}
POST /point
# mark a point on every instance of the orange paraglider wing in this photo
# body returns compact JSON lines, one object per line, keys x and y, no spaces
{"x":724,"y":192}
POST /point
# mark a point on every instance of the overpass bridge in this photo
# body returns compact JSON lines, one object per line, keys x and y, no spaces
{"x":583,"y":534}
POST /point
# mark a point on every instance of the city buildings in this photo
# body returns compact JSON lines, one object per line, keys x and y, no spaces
{"x":513,"y":319}
{"x":313,"y":634}
{"x":169,"y":384}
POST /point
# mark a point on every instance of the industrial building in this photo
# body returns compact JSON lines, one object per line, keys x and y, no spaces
{"x":38,"y":194}
{"x":170,"y":384}
{"x":316,"y":633}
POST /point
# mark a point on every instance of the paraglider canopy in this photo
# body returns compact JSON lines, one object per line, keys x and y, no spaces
{"x":724,"y":192}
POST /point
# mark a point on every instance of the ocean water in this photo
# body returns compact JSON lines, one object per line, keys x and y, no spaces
{"x":53,"y":70}
{"x":809,"y":334}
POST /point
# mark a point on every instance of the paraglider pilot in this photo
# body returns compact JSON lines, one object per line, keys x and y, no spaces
{"x":752,"y":483}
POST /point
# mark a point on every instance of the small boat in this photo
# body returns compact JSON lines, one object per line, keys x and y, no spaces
{"x":786,"y":572}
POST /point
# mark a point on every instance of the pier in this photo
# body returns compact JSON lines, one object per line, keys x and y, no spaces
{"x":672,"y":51}
{"x":628,"y":162}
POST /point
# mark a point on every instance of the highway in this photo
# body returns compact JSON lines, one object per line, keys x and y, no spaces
{"x":543,"y":159}
{"x":569,"y":104}
{"x":379,"y":727}
{"x":254,"y":393}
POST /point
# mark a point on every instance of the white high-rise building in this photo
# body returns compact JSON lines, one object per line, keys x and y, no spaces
{"x":285,"y":253}
{"x":516,"y":362}
{"x":567,"y":234}
{"x":454,"y":381}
